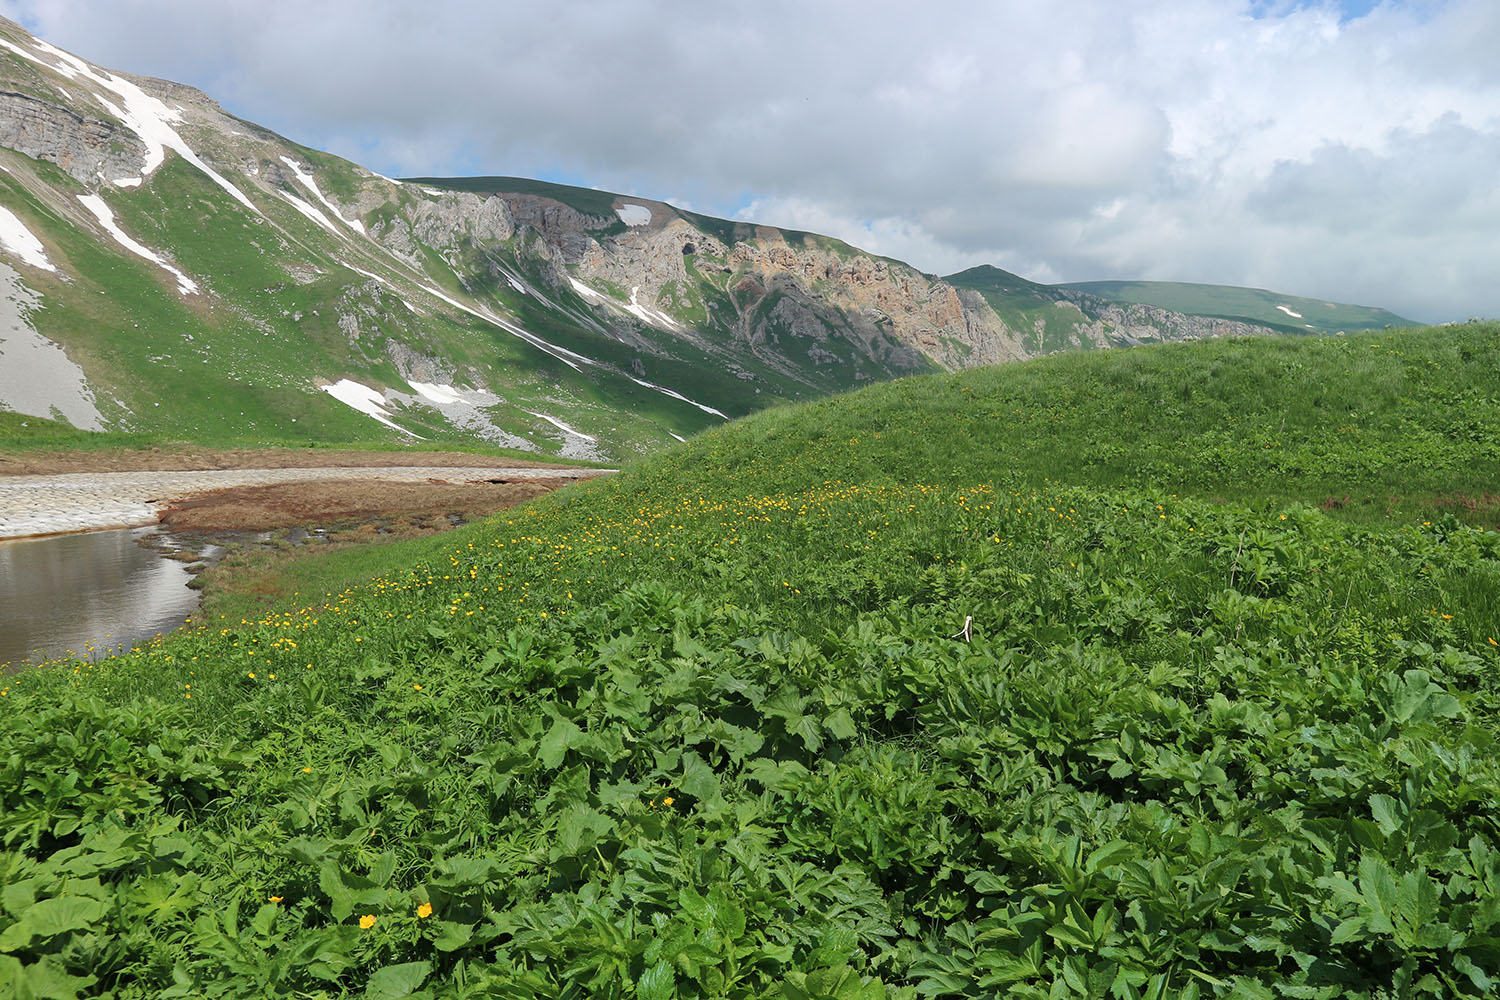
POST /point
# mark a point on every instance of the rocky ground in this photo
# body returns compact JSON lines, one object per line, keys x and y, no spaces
{"x":44,"y":463}
{"x":262,"y":490}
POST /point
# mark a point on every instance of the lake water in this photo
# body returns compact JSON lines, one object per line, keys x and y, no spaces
{"x":88,"y":594}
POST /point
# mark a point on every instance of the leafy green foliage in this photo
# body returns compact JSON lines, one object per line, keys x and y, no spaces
{"x":713,"y":728}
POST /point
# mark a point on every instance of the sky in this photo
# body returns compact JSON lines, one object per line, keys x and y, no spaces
{"x":1348,"y":150}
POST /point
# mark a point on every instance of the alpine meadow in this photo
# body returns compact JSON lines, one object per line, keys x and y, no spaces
{"x":935,"y":689}
{"x":936,"y":638}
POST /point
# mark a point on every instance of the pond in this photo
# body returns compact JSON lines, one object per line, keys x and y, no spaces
{"x":87,"y":595}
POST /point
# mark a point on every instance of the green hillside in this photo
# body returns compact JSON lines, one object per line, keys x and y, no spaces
{"x":1052,"y":318}
{"x":1256,"y":305}
{"x":1221,"y":722}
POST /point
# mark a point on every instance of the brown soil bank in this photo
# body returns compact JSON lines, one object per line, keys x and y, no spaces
{"x":341,"y":503}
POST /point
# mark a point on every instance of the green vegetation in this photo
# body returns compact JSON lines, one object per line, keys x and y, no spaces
{"x":987,"y":278}
{"x":21,"y":434}
{"x":1256,"y":305}
{"x":716,"y":727}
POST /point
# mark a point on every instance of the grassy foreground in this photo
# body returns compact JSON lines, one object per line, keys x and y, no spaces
{"x":711,"y":728}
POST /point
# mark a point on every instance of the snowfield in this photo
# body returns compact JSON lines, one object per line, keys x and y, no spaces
{"x":143,"y":114}
{"x":364,"y":399}
{"x":647,"y":315}
{"x":562,"y":426}
{"x":17,"y":239}
{"x":36,"y":377}
{"x":585,"y":290}
{"x":306,"y":180}
{"x":442,"y":395}
{"x":311,"y":212}
{"x":634,"y":215}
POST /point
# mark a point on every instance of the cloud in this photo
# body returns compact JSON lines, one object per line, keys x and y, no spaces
{"x":1334,"y":150}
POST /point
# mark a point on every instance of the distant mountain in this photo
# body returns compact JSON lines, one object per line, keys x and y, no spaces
{"x":1054,"y":318}
{"x":1251,"y":305}
{"x":168,"y":268}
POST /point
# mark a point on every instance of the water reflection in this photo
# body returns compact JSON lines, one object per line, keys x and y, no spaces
{"x":87,"y":593}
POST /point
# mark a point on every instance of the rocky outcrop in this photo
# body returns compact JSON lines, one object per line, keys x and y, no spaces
{"x":89,"y":149}
{"x":806,"y":306}
{"x":1104,"y":323}
{"x":648,"y":259}
{"x":899,"y":318}
{"x":451,"y":222}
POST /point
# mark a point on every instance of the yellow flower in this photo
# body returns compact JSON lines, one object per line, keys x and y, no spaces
{"x":367,"y":921}
{"x":416,"y":687}
{"x":667,"y":801}
{"x":424,"y":911}
{"x":307,"y":770}
{"x":273,"y":899}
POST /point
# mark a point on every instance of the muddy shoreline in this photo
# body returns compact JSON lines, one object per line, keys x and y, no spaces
{"x":205,"y":528}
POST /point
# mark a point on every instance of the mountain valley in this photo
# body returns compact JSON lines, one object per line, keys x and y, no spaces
{"x":171,"y":270}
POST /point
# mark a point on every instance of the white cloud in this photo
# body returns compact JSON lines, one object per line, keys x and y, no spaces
{"x":1286,"y":145}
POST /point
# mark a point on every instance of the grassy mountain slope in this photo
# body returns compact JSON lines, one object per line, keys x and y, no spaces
{"x":225,"y":283}
{"x":710,"y":728}
{"x":1057,"y":318}
{"x":1255,"y":305}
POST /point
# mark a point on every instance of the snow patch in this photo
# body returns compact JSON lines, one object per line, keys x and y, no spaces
{"x":306,"y":180}
{"x":464,"y":409}
{"x":648,"y":315}
{"x":101,"y":211}
{"x":585,"y":290}
{"x":143,"y":114}
{"x":36,"y":376}
{"x":127,"y":182}
{"x":1294,"y":315}
{"x":15,"y":237}
{"x":563,"y":427}
{"x":562,"y":353}
{"x":311,"y":212}
{"x":369,"y":274}
{"x":432,"y":191}
{"x":634,"y":215}
{"x":678,"y":437}
{"x":676,"y":395}
{"x":443,"y":395}
{"x":364,"y":399}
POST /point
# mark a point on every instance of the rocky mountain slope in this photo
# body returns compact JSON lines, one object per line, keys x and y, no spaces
{"x":167,"y":267}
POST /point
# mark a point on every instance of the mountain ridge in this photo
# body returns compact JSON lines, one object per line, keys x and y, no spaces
{"x":212,"y":278}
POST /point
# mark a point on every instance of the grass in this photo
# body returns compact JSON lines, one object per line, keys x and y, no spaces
{"x":1256,"y":305}
{"x":22,"y":435}
{"x":923,"y":691}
